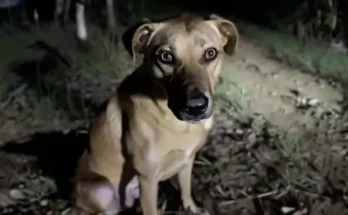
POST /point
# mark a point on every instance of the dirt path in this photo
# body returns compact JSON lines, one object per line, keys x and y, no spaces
{"x":270,"y":83}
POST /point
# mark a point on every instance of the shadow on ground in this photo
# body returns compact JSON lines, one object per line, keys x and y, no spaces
{"x":56,"y":154}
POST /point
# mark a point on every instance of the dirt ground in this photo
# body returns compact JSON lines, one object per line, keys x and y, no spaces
{"x":285,"y":151}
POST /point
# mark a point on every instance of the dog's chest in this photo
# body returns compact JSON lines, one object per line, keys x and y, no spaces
{"x":163,"y":146}
{"x":175,"y":151}
{"x":164,"y":152}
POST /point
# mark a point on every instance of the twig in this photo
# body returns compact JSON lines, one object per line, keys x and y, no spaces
{"x":202,"y":161}
{"x":259,"y":196}
{"x":14,"y":94}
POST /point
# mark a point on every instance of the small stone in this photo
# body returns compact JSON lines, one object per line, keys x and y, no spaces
{"x":343,"y":152}
{"x":239,"y":131}
{"x":66,"y":131}
{"x":287,"y":210}
{"x":17,"y":194}
{"x":301,"y":212}
{"x":229,"y":131}
{"x":252,"y":138}
{"x":44,"y":202}
{"x":313,"y":102}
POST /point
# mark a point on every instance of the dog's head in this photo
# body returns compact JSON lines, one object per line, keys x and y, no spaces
{"x":184,"y":54}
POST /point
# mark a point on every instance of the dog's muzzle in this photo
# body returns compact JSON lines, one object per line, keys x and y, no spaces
{"x":196,"y":103}
{"x":192,"y":106}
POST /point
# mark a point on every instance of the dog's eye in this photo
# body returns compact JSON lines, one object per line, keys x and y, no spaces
{"x":210,"y":54}
{"x":166,"y":57}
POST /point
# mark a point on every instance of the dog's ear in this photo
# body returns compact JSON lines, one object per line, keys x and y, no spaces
{"x":129,"y":33}
{"x":136,"y":38}
{"x":228,"y":32}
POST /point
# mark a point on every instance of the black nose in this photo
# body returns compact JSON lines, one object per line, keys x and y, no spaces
{"x":196,"y":103}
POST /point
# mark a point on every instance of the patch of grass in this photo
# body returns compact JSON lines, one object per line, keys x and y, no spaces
{"x":44,"y":107}
{"x":48,"y":102}
{"x":297,"y":170}
{"x":292,"y":149}
{"x":105,"y":58}
{"x":311,"y":57}
{"x":233,"y":97}
{"x":293,"y":152}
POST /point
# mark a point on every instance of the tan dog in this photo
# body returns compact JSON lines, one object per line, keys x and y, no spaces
{"x":159,"y":118}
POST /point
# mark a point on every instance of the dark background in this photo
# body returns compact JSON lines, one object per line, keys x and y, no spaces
{"x":289,"y":15}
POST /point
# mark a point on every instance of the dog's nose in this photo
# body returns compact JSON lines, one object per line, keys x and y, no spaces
{"x":196,"y":102}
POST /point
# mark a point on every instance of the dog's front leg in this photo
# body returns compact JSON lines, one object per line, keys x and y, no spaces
{"x":184,"y":177}
{"x":148,"y":195}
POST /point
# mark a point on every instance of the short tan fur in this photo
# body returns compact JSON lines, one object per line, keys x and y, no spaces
{"x":159,"y":117}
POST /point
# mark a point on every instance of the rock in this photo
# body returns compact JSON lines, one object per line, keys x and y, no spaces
{"x":301,"y":212}
{"x":239,"y":131}
{"x":5,"y":200}
{"x":17,"y":194}
{"x":313,"y":102}
{"x":252,"y":138}
{"x":287,"y":210}
{"x":275,"y":76}
{"x":44,"y":202}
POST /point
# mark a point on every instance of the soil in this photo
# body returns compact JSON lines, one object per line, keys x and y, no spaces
{"x":243,"y":169}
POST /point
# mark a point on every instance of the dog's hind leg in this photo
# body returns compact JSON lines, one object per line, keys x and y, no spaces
{"x":96,"y":196}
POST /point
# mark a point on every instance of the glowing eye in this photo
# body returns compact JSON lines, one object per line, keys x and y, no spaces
{"x":166,"y":57}
{"x":210,"y":54}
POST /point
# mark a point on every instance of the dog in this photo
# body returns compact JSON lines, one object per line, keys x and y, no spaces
{"x":159,"y":117}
